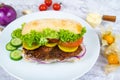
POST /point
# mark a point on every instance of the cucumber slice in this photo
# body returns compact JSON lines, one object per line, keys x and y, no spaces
{"x":9,"y":47}
{"x":16,"y":42}
{"x":13,"y":35}
{"x":16,"y":55}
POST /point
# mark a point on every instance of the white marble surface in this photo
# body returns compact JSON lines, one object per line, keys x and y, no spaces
{"x":79,"y":8}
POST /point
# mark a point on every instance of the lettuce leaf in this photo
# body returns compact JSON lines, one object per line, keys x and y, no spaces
{"x":40,"y":38}
{"x":67,"y":36}
{"x":34,"y":38}
{"x":49,"y":33}
{"x":17,"y":33}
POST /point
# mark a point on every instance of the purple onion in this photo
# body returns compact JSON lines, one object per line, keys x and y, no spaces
{"x":7,"y":14}
{"x":81,"y":53}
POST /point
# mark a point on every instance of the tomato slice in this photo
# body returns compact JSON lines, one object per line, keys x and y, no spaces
{"x":72,"y":44}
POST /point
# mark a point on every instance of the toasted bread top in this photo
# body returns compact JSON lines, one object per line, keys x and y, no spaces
{"x":55,"y":24}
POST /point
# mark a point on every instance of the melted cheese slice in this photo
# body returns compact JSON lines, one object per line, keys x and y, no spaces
{"x":55,"y":24}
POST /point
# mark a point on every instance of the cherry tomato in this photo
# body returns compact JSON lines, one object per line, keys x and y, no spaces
{"x":48,"y":2}
{"x":72,"y":44}
{"x":56,"y":6}
{"x":43,"y":7}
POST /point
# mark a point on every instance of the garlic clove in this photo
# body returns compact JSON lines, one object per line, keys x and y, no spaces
{"x":24,"y":12}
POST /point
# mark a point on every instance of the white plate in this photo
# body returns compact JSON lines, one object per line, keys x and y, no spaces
{"x":58,"y":71}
